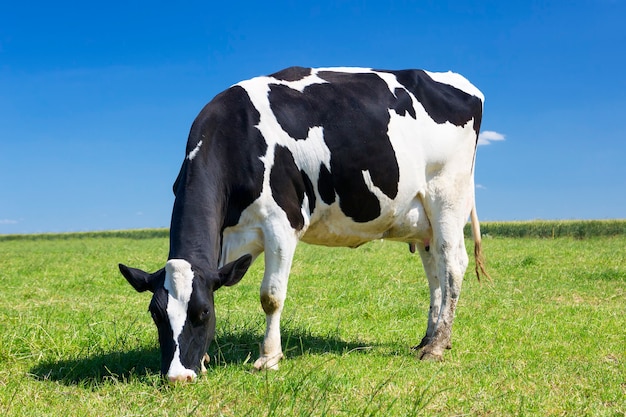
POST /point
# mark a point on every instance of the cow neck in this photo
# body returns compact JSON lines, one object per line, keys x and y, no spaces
{"x":195,"y":228}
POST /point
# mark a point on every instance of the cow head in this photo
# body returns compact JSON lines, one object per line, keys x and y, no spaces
{"x":182,"y":309}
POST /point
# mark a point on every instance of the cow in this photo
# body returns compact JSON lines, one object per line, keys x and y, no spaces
{"x":327,"y":156}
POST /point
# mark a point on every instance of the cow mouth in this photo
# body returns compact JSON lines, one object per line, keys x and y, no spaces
{"x":189,"y":375}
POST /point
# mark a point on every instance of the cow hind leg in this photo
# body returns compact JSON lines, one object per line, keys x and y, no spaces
{"x":448,"y":212}
{"x":279,"y":253}
{"x":451,"y":262}
{"x":435,"y":293}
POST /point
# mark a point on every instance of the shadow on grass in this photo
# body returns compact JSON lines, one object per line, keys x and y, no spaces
{"x":234,"y":347}
{"x":242,"y":346}
{"x":95,"y":369}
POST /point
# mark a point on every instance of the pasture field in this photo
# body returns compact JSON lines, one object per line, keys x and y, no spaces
{"x":547,"y":337}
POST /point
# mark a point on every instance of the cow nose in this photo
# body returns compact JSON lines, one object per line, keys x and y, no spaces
{"x":187,"y":376}
{"x":181,"y":378}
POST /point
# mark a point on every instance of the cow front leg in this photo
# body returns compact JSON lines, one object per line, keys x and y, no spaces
{"x":270,"y":350}
{"x":273,"y":293}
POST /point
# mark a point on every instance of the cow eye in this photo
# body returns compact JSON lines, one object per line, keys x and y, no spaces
{"x":204,"y":315}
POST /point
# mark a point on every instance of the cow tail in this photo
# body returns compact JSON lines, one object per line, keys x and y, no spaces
{"x":478,"y":252}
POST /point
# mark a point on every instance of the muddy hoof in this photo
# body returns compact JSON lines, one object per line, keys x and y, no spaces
{"x":268,"y":362}
{"x":426,"y":355}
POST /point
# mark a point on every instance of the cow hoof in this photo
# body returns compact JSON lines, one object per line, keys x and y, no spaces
{"x":268,"y":362}
{"x":426,"y":355}
{"x":431,"y":353}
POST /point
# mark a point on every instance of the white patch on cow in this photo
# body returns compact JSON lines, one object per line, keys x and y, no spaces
{"x":349,"y":70}
{"x":381,"y":196}
{"x":300,"y":85}
{"x":179,"y":279}
{"x":452,"y":146}
{"x":416,"y":151}
{"x":457,"y":81}
{"x":305,"y":210}
{"x":310,"y":152}
{"x":193,"y":153}
{"x":392,"y":81}
{"x":178,"y":283}
{"x":261,"y":84}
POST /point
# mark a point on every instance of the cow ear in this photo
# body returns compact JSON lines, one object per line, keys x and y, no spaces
{"x":142,"y":281}
{"x":231,"y":273}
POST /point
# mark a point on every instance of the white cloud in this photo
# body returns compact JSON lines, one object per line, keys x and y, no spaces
{"x":488,"y":136}
{"x":480,"y":187}
{"x":8,"y":221}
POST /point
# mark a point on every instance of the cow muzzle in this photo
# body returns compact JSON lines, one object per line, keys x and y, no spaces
{"x":187,"y":375}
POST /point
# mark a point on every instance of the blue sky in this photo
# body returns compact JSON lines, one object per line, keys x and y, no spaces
{"x":96,"y":99}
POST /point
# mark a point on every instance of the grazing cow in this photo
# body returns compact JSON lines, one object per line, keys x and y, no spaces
{"x":329,"y":156}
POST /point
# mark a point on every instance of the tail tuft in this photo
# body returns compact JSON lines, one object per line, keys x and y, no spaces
{"x":478,"y":252}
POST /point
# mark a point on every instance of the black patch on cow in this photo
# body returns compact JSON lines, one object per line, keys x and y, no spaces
{"x":288,"y":186}
{"x":404,"y":104}
{"x":442,"y":102}
{"x":292,"y":74}
{"x":158,"y":310}
{"x":295,"y":114}
{"x":223,"y":179}
{"x":309,"y":190}
{"x":353,"y":110}
{"x":325,"y":185}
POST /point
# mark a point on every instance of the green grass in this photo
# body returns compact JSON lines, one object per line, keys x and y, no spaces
{"x":546,"y":337}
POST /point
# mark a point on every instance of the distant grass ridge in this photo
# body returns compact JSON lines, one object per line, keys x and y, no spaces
{"x":119,"y":234}
{"x":578,"y":229}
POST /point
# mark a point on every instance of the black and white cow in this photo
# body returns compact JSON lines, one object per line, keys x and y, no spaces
{"x":329,"y":156}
